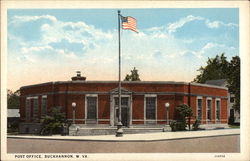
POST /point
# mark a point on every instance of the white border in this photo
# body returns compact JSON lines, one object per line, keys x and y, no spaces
{"x":245,"y":74}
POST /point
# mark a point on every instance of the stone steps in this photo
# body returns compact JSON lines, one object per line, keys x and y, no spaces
{"x":80,"y":131}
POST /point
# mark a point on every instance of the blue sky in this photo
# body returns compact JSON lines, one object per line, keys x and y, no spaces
{"x":51,"y":44}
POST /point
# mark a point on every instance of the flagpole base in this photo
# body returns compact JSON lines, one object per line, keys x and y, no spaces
{"x":119,"y":132}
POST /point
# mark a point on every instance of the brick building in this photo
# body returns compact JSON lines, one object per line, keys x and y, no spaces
{"x":142,"y":103}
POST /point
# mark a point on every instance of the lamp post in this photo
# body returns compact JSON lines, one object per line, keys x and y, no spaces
{"x":167,"y":108}
{"x":74,"y":112}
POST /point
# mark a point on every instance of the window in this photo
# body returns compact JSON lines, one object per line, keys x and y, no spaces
{"x":150,"y":108}
{"x":31,"y":102}
{"x":44,"y":105}
{"x":91,"y":107}
{"x":35,"y":107}
{"x":124,"y":101}
{"x":199,"y":108}
{"x":209,"y":104}
{"x":217,"y":109}
{"x":231,"y":99}
{"x":27,"y":109}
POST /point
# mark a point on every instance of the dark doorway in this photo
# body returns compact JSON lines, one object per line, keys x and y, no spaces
{"x":125,"y":116}
{"x":124,"y":110}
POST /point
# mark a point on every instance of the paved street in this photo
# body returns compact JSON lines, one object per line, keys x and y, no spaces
{"x":224,"y":144}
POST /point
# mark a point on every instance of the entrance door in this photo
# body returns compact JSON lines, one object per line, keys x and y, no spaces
{"x":124,"y":110}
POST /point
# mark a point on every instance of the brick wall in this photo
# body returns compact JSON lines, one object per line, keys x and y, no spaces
{"x":64,"y":93}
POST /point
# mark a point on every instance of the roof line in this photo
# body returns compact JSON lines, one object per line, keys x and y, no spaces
{"x":125,"y":82}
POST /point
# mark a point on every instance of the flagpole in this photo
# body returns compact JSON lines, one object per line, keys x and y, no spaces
{"x":119,"y":131}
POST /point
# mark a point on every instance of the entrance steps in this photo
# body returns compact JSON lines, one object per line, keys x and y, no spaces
{"x":85,"y":130}
{"x":213,"y":126}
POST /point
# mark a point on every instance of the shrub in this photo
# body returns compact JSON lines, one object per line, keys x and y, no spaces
{"x":185,"y":112}
{"x":52,"y":124}
{"x":180,"y":126}
{"x":173,"y":125}
{"x":231,"y":120}
{"x":196,"y":124}
{"x":177,"y":126}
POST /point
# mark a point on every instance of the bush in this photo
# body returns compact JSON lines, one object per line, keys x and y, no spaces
{"x":231,"y":120}
{"x":180,"y":126}
{"x":173,"y":125}
{"x":185,"y":112}
{"x":196,"y":124}
{"x":53,"y":123}
{"x":12,"y":125}
{"x":177,"y":126}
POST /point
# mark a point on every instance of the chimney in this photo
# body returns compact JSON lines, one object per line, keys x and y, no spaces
{"x":78,"y":77}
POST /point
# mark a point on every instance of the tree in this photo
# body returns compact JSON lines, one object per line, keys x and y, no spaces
{"x":216,"y":68}
{"x":185,"y":112}
{"x":134,"y":76}
{"x":13,"y":99}
{"x":220,"y":68}
{"x":234,"y":80}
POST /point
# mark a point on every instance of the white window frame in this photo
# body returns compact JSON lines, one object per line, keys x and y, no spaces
{"x":45,"y":112}
{"x":27,"y":117}
{"x":197,"y":114}
{"x":145,"y":97}
{"x":217,"y":99}
{"x":86,"y":110}
{"x":209,"y":98}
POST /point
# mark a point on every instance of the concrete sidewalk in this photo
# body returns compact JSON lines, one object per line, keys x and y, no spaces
{"x":139,"y":137}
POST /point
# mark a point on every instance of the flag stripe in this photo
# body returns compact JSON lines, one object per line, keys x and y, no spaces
{"x":129,"y":23}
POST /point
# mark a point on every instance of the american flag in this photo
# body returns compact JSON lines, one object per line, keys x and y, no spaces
{"x":129,"y":23}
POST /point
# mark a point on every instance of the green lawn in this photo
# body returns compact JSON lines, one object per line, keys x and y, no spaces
{"x":234,"y":126}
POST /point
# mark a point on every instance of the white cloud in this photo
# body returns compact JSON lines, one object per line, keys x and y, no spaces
{"x":217,"y":24}
{"x":32,"y":49}
{"x":172,"y":27}
{"x":211,"y":49}
{"x":18,"y":19}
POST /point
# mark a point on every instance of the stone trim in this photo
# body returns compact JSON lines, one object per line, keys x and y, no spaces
{"x":137,"y":119}
{"x":103,"y":119}
{"x":113,"y":110}
{"x":197,"y":98}
{"x":211,"y":112}
{"x":217,"y":99}
{"x":133,"y":93}
{"x":124,"y":82}
{"x":208,"y":85}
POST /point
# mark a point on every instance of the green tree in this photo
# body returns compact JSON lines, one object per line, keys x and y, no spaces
{"x":234,"y":80}
{"x":52,"y":123}
{"x":134,"y":76}
{"x":185,"y":112}
{"x":13,"y":99}
{"x":220,"y":68}
{"x":216,"y":68}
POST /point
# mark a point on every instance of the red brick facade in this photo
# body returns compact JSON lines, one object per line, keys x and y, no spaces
{"x":137,"y":93}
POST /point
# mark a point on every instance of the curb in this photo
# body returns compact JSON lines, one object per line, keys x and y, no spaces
{"x":102,"y":140}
